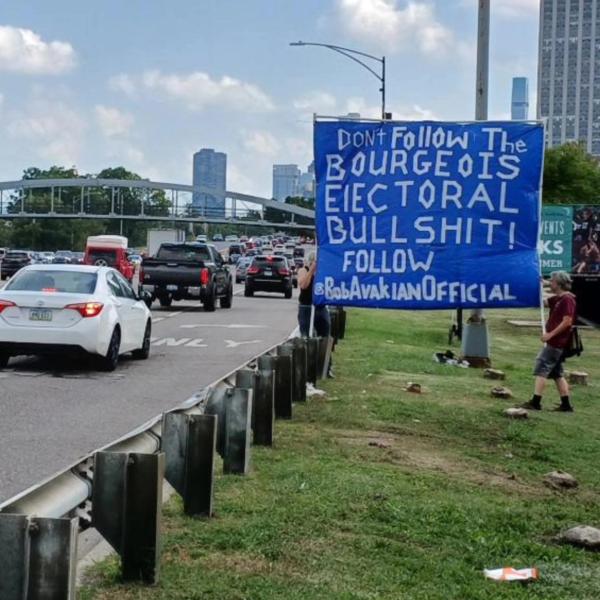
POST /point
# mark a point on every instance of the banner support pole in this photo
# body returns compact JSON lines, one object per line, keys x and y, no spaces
{"x":475,"y":347}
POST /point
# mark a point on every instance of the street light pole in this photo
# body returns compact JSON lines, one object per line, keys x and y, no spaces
{"x":352,"y":54}
{"x":475,"y":340}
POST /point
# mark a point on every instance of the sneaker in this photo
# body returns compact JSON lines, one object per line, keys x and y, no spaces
{"x":563,"y":408}
{"x":531,"y":406}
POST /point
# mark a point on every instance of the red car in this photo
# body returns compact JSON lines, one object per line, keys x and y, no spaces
{"x":109,"y":251}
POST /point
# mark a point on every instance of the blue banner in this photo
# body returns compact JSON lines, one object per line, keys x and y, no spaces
{"x":428,"y":215}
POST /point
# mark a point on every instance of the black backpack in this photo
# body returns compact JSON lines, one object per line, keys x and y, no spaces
{"x":575,"y":347}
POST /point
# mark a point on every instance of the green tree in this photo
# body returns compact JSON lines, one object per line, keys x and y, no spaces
{"x":52,"y":234}
{"x":571,"y":175}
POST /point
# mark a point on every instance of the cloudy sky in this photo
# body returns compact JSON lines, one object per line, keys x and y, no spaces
{"x":145,"y":83}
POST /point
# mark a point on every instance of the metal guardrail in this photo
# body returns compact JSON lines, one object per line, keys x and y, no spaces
{"x":118,"y":488}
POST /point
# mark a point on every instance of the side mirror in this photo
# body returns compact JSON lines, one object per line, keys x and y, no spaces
{"x":145,"y":297}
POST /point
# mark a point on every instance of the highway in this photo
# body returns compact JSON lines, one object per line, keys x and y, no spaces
{"x":53,"y":411}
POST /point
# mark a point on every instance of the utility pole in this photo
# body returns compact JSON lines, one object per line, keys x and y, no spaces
{"x":475,"y":340}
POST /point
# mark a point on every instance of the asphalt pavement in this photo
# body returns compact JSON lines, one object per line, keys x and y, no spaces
{"x":54,"y":411}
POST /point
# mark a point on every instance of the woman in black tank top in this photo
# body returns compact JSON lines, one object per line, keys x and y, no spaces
{"x":322,"y":324}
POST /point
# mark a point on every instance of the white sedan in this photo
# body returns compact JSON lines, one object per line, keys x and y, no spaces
{"x":50,"y":309}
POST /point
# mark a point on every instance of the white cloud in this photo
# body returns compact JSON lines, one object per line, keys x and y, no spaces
{"x":197,"y":90}
{"x":24,"y":51}
{"x":316,"y":101}
{"x":508,"y":8}
{"x":385,"y":23}
{"x":122,"y":152}
{"x":261,"y":142}
{"x":53,"y":130}
{"x":415,"y":113}
{"x":123,"y":83}
{"x":238,"y":181}
{"x":517,"y":8}
{"x":300,"y":149}
{"x":112,"y":121}
{"x":324,"y":103}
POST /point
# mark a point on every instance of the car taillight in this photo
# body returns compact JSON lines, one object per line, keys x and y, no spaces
{"x":284,"y":271}
{"x":87,"y":309}
{"x":204,"y":276}
{"x":6,"y":304}
{"x":252,"y":270}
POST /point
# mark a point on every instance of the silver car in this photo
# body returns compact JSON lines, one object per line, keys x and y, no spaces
{"x":241,"y":267}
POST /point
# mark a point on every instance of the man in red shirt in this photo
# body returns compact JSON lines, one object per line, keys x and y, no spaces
{"x":549,"y":362}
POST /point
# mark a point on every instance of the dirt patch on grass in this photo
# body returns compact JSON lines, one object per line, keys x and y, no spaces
{"x":414,"y":454}
{"x":464,"y":389}
{"x":238,"y":563}
{"x":178,"y":554}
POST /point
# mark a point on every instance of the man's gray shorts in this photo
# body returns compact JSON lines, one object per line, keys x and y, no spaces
{"x":549,"y":363}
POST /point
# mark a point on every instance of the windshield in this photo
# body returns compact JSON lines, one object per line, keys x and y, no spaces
{"x":16,"y":255}
{"x":183,"y":252}
{"x":70,"y":282}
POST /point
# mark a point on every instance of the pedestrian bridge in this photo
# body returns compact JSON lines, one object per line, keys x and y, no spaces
{"x":141,"y":199}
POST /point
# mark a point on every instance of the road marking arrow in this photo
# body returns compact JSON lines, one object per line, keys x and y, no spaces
{"x":233,"y":344}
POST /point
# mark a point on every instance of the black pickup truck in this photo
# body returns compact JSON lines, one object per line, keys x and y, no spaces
{"x":188,"y":271}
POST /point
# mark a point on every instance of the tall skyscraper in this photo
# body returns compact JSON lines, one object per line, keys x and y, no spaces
{"x":519,"y":106}
{"x":569,"y":72}
{"x":306,"y":182}
{"x":210,"y":171}
{"x":285,"y":181}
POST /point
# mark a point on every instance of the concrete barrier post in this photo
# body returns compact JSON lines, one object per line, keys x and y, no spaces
{"x":238,"y":415}
{"x":325,"y":345}
{"x":282,"y":365}
{"x":300,"y":369}
{"x":264,"y":394}
{"x":246,"y":379}
{"x":189,"y":443}
{"x":38,"y":558}
{"x":287,"y":350}
{"x":126,"y":509}
{"x":312,"y":358}
{"x":216,"y":403}
{"x":261,"y":383}
{"x":342,"y":330}
{"x":334,"y":319}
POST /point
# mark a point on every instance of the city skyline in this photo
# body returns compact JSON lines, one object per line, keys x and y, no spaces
{"x":209,"y":171}
{"x":285,"y":181}
{"x":569,"y":72}
{"x":519,"y":106}
{"x":109,"y":94}
{"x":290,"y":181}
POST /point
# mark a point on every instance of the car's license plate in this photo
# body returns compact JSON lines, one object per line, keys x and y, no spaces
{"x":172,"y":288}
{"x":268,"y":273}
{"x":40,"y":315}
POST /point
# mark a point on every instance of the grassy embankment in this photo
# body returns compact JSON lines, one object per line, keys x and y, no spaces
{"x":374,"y":492}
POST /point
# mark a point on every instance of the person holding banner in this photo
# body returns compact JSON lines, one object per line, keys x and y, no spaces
{"x":321,"y":322}
{"x":556,"y":338}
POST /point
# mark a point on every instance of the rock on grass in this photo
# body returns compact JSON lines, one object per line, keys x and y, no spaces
{"x":582,"y":536}
{"x":560,"y":480}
